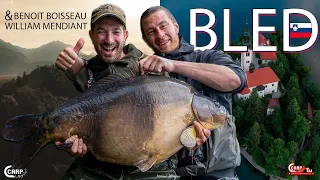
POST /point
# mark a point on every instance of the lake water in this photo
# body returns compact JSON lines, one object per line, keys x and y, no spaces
{"x":247,"y":172}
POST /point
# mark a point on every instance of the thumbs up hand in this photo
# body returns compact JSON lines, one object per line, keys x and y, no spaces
{"x":78,"y":46}
{"x":69,"y":61}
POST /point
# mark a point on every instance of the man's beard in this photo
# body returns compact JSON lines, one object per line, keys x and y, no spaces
{"x":119,"y":53}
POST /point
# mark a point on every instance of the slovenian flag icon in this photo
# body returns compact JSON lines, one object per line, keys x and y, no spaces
{"x":300,"y":30}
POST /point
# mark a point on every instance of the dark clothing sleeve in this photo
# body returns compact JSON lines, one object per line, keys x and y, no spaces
{"x":96,"y":69}
{"x":220,"y":58}
{"x":117,"y":70}
{"x":80,"y":80}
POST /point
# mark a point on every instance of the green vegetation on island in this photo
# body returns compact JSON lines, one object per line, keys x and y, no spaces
{"x":291,"y":134}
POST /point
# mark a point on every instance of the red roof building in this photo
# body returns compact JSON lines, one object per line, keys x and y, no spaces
{"x":266,"y":55}
{"x":273,"y":103}
{"x":261,"y":76}
{"x":263,"y":40}
{"x":245,"y":90}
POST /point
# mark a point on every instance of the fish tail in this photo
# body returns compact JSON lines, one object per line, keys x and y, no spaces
{"x":23,"y":130}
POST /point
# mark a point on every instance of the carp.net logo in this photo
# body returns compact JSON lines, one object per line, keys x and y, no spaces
{"x":14,"y":173}
{"x":299,"y":170}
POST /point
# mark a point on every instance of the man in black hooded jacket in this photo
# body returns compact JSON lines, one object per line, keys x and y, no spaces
{"x":210,"y":72}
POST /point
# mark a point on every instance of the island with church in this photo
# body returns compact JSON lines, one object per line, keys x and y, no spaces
{"x":278,"y":112}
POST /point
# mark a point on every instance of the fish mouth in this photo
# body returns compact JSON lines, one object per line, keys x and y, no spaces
{"x":208,"y":123}
{"x":211,"y":126}
{"x":196,"y":116}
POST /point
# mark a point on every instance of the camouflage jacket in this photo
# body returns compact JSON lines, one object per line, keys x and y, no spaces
{"x":97,"y":70}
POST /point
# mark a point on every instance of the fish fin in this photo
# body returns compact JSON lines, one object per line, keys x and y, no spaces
{"x":145,"y":164}
{"x":25,"y":152}
{"x":20,"y":129}
{"x":189,"y":137}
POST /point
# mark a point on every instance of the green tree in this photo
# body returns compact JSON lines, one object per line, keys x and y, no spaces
{"x":305,"y":158}
{"x":258,"y":156}
{"x":298,"y":64}
{"x":253,"y":137}
{"x":293,"y":110}
{"x":277,"y":123}
{"x":276,"y":40}
{"x":273,"y":40}
{"x":283,"y":59}
{"x":255,"y":109}
{"x":277,"y":157}
{"x":298,"y":125}
{"x":299,"y":129}
{"x":316,"y":168}
{"x":242,"y":103}
{"x":293,"y":88}
{"x":266,"y":138}
{"x":313,"y":93}
{"x":304,"y":74}
{"x":315,"y":144}
{"x":280,"y":71}
{"x":293,"y":82}
{"x":292,"y":146}
{"x":294,"y":61}
{"x":238,"y":113}
{"x":316,"y":121}
{"x":294,"y":93}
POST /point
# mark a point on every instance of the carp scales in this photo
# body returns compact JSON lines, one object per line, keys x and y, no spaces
{"x":138,"y":121}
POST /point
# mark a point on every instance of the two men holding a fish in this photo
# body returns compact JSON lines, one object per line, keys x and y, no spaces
{"x":213,"y":73}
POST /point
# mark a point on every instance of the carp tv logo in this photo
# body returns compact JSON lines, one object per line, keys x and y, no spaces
{"x":14,"y":173}
{"x":299,"y":170}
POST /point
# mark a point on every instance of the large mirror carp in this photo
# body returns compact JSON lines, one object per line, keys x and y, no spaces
{"x":137,"y":121}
